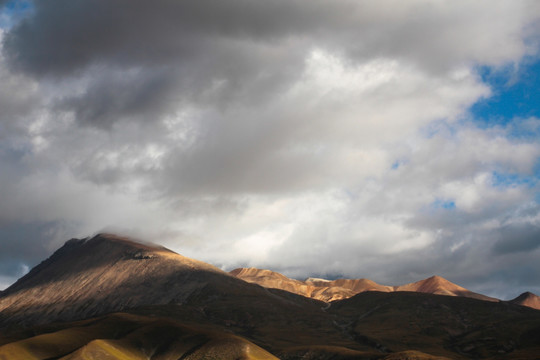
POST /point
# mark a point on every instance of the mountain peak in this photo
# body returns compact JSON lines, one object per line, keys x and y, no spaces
{"x":434,"y":285}
{"x":107,"y":238}
{"x":441,"y":282}
{"x":437,"y":278}
{"x":527,"y":299}
{"x":441,"y":286}
{"x":105,"y":273}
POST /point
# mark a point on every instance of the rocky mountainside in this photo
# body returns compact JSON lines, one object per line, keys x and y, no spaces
{"x":527,"y":299}
{"x":108,"y":273}
{"x":440,"y":286}
{"x":274,"y":280}
{"x":330,"y":290}
{"x":109,"y":297}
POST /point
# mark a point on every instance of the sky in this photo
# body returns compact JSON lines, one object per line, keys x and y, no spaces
{"x":385,"y":139}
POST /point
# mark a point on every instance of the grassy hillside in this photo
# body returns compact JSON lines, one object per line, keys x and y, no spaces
{"x":125,"y":336}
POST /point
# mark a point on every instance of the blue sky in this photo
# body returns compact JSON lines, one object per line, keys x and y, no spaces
{"x":13,"y":11}
{"x":515,"y":93}
{"x":515,"y":98}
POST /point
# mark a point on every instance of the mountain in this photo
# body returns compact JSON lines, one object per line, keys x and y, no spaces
{"x":274,"y":280}
{"x":527,"y":299}
{"x":440,"y":286}
{"x":330,"y":290}
{"x":107,"y":273}
{"x":109,"y":297}
{"x":463,"y":327}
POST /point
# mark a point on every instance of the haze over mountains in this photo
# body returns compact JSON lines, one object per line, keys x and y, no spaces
{"x":110,"y":297}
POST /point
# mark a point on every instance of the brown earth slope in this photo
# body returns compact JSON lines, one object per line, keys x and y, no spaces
{"x":330,"y":290}
{"x":527,"y":299}
{"x":451,"y":326}
{"x":125,"y":336}
{"x":274,"y":280}
{"x":103,"y":274}
{"x":440,"y":286}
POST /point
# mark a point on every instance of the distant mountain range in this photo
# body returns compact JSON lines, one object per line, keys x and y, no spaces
{"x":110,"y":297}
{"x":330,"y":290}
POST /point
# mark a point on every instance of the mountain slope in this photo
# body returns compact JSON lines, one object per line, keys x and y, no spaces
{"x":274,"y":280}
{"x":330,"y":290}
{"x":527,"y":299}
{"x":124,"y":336}
{"x":440,"y":286}
{"x":355,"y":285}
{"x":451,"y":326}
{"x":106,"y":273}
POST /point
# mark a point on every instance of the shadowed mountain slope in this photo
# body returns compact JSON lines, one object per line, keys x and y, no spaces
{"x":125,"y":336}
{"x":330,"y":290}
{"x":451,"y":326}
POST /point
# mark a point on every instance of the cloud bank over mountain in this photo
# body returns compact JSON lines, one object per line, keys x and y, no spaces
{"x":313,"y":138}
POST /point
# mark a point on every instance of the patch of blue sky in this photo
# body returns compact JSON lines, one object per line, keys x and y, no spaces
{"x":514,"y":105}
{"x":515,"y":94}
{"x":13,"y":11}
{"x":446,"y":204}
{"x":511,"y":179}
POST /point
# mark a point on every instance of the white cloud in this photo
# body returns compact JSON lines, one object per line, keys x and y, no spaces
{"x":326,"y":135}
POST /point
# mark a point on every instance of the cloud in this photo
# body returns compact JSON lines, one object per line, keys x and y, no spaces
{"x":285,"y":134}
{"x":517,"y":238}
{"x":241,"y":51}
{"x":164,"y":31}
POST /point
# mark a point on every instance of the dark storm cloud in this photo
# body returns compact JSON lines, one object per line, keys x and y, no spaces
{"x":24,"y":243}
{"x":18,"y":99}
{"x":140,"y":59}
{"x":64,"y":36}
{"x":517,"y":238}
{"x":114,"y":96}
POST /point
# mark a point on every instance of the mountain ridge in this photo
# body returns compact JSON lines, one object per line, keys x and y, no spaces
{"x":108,"y":296}
{"x":527,"y":299}
{"x":89,"y":277}
{"x":331,"y":290}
